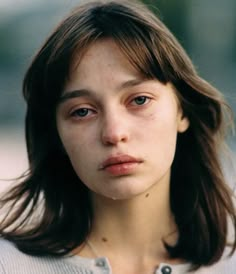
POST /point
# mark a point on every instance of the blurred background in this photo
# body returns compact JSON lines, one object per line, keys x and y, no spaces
{"x":206,"y":29}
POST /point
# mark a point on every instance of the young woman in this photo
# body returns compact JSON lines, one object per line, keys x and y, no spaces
{"x":124,"y":143}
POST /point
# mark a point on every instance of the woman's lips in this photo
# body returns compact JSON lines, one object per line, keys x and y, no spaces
{"x":120,"y":165}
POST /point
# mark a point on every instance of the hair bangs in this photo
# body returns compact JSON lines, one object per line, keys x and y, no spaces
{"x":131,"y":36}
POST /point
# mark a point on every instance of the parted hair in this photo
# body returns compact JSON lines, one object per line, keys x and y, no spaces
{"x":49,"y":211}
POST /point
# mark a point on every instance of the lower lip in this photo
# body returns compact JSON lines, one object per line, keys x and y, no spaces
{"x":122,"y":169}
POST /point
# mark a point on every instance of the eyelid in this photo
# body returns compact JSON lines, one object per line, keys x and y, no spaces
{"x":71,"y":110}
{"x":148,"y":98}
{"x":73,"y":115}
{"x":77,"y":103}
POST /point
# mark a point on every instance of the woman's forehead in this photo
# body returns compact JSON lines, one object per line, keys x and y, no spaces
{"x":99,"y":51}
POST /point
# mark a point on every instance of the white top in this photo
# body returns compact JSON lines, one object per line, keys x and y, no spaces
{"x":13,"y":261}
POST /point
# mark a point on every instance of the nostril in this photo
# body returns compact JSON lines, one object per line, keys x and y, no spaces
{"x":112,"y":138}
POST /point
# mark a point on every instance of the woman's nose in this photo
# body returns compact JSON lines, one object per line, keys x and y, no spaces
{"x":115,"y":130}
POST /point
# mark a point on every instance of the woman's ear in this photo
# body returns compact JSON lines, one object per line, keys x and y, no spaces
{"x":183,"y":123}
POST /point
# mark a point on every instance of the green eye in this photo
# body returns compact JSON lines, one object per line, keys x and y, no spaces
{"x":140,"y":100}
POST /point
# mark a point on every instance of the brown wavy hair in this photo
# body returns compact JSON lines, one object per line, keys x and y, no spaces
{"x":201,"y":201}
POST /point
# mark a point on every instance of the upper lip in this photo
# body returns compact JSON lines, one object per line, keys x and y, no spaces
{"x":119,"y":159}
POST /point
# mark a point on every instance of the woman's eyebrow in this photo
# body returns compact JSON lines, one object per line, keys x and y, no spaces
{"x":85,"y":92}
{"x":73,"y":94}
{"x":132,"y":83}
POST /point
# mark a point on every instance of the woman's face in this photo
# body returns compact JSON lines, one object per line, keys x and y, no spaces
{"x":118,"y":129}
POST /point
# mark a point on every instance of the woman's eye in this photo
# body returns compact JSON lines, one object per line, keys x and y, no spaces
{"x":81,"y":112}
{"x":141,"y":100}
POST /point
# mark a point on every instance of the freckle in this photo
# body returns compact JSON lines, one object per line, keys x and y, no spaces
{"x":147,"y":195}
{"x":104,"y":239}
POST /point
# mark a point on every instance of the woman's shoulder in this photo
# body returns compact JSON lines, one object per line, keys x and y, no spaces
{"x":13,"y":261}
{"x":226,"y":265}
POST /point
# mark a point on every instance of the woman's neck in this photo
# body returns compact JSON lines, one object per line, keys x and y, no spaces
{"x":135,"y":227}
{"x":131,"y":233}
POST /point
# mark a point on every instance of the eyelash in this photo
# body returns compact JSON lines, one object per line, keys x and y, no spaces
{"x":143,"y":97}
{"x":75,"y":113}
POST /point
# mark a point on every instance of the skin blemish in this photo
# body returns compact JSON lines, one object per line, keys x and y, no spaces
{"x":104,"y":239}
{"x":147,"y":195}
